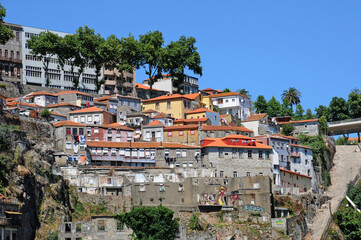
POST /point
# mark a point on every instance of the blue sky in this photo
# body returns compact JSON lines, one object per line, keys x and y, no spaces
{"x":262,"y":46}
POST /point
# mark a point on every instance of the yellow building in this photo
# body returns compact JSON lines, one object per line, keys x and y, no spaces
{"x":175,"y":105}
{"x":187,"y":134}
{"x":207,"y":102}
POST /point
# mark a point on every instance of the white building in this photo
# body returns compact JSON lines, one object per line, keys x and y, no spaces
{"x":189,"y":85}
{"x":232,"y":103}
{"x":34,"y":74}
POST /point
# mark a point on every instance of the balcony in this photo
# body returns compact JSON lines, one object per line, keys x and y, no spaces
{"x":9,"y":59}
{"x":295,"y":154}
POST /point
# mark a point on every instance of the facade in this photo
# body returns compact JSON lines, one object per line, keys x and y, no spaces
{"x":92,"y":115}
{"x":63,"y":108}
{"x":11,"y":56}
{"x":168,"y":84}
{"x":184,"y":134}
{"x":223,"y":131}
{"x":136,"y":121}
{"x":144,"y":93}
{"x":34,"y":73}
{"x":237,"y":156}
{"x":165,"y":119}
{"x":308,"y":127}
{"x":175,"y":105}
{"x":111,"y":103}
{"x":10,"y":219}
{"x":43,"y":99}
{"x":197,"y":121}
{"x":70,"y":139}
{"x":213,"y":116}
{"x":113,"y":83}
{"x":292,"y":179}
{"x":260,"y":124}
{"x":75,"y":97}
{"x":153,"y":132}
{"x":232,"y":103}
{"x":131,"y":102}
{"x":109,"y":133}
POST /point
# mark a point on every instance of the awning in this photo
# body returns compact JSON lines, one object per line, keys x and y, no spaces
{"x":9,"y":212}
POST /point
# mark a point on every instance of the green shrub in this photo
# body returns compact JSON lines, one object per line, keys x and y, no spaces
{"x":194,"y":222}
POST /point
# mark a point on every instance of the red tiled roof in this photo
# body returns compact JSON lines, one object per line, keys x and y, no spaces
{"x":145,"y":87}
{"x":182,"y":127}
{"x":295,"y":173}
{"x":104,"y":98}
{"x":225,"y":128}
{"x":226,"y":95}
{"x":192,"y":95}
{"x":162,"y":115}
{"x":200,"y":110}
{"x":15,"y":103}
{"x":58,"y":114}
{"x":62,"y":105}
{"x":155,"y":123}
{"x":219,"y":142}
{"x":42,"y":93}
{"x":70,"y":92}
{"x":225,"y":115}
{"x":284,"y":136}
{"x":68,"y":123}
{"x":191,"y":120}
{"x":137,"y":145}
{"x":149,"y":111}
{"x":91,"y":109}
{"x":166,"y":97}
{"x":256,"y":117}
{"x":117,"y":126}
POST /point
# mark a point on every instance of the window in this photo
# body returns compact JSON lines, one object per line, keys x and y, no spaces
{"x":96,"y":118}
{"x":178,"y":153}
{"x":101,"y":225}
{"x":177,"y":164}
{"x":306,"y":151}
{"x":267,"y":154}
{"x":68,"y":131}
{"x":184,"y":153}
{"x":235,"y":174}
{"x":180,"y":133}
{"x":221,"y":174}
{"x":96,"y":130}
{"x":234,"y":153}
{"x":81,"y":131}
{"x":68,"y":145}
{"x":75,"y":131}
{"x":17,"y":55}
{"x":248,"y":174}
{"x":75,"y":119}
{"x":97,"y":139}
{"x":260,"y":154}
{"x":82,"y":119}
{"x":190,"y":164}
{"x":141,"y":188}
{"x":120,"y":225}
{"x":249,"y":154}
{"x":90,"y":118}
{"x":169,"y":105}
{"x":89,"y":131}
{"x":166,"y":153}
{"x":157,"y":106}
{"x":220,"y":152}
{"x":220,"y":100}
{"x":105,"y":151}
{"x":184,"y":164}
{"x":109,"y":180}
{"x":17,"y":36}
{"x":192,"y":132}
{"x":109,"y":139}
{"x":170,"y":134}
{"x":161,"y":188}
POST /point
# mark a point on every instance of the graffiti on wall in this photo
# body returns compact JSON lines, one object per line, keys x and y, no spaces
{"x":213,"y":198}
{"x":253,"y":208}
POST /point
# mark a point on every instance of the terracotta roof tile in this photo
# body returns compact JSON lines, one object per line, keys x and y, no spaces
{"x":192,"y":95}
{"x":15,"y":103}
{"x":200,"y":110}
{"x":58,"y":114}
{"x":137,"y":145}
{"x":91,"y":109}
{"x":227,"y":94}
{"x":117,"y":126}
{"x":162,"y":115}
{"x":284,"y":136}
{"x":295,"y":173}
{"x":256,"y":117}
{"x":225,"y":128}
{"x":219,"y":142}
{"x":104,"y":98}
{"x":68,"y":123}
{"x":62,"y":105}
{"x":42,"y":93}
{"x":145,"y":87}
{"x":70,"y":92}
{"x":166,"y":97}
{"x":155,"y":123}
{"x":191,"y":120}
{"x":182,"y":127}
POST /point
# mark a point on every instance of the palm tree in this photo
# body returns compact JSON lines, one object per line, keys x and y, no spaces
{"x":292,"y":95}
{"x":243,"y":91}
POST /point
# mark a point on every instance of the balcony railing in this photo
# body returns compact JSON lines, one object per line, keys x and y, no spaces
{"x":295,"y":154}
{"x":10,"y":59}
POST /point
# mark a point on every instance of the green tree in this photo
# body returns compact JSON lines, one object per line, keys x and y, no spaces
{"x":274,"y":107}
{"x":322,"y":111}
{"x":323,"y":125}
{"x":292,"y":95}
{"x":216,"y":108}
{"x":287,"y":129}
{"x":309,"y":114}
{"x":243,"y":92}
{"x":354,"y":103}
{"x":5,"y":32}
{"x":181,"y":55}
{"x":261,"y":104}
{"x":299,"y":112}
{"x":338,"y":109}
{"x":286,"y":109}
{"x":153,"y":223}
{"x":46,"y":46}
{"x":45,"y":113}
{"x":98,"y":58}
{"x":226,"y":90}
{"x":152,"y":55}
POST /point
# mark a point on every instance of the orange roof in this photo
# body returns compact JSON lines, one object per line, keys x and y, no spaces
{"x":70,"y":92}
{"x":226,"y":95}
{"x":15,"y":103}
{"x":256,"y":117}
{"x":57,"y":114}
{"x":300,"y":121}
{"x":301,"y":146}
{"x":192,"y":95}
{"x":225,"y":115}
{"x":137,"y":145}
{"x":225,"y":128}
{"x":353,"y":139}
{"x":149,"y":111}
{"x":91,"y":109}
{"x":182,"y":127}
{"x":219,"y":142}
{"x":155,"y":123}
{"x":62,"y":105}
{"x":239,"y":136}
{"x":200,"y":110}
{"x":42,"y":93}
{"x":295,"y":173}
{"x":162,"y":115}
{"x":145,"y":87}
{"x":168,"y":96}
{"x":68,"y":123}
{"x":104,"y":98}
{"x":191,"y":120}
{"x":284,"y":136}
{"x":117,"y":126}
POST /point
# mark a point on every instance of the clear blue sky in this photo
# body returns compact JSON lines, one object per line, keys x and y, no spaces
{"x":262,"y":46}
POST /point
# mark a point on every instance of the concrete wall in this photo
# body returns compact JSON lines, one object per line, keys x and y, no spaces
{"x":310,"y":128}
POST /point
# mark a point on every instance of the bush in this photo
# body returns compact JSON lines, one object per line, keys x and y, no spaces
{"x":287,"y":129}
{"x":45,"y":113}
{"x":194,"y":222}
{"x":341,"y":141}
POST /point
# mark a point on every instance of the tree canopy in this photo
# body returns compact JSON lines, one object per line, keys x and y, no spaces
{"x":5,"y":32}
{"x":292,"y":95}
{"x":338,"y":109}
{"x":299,"y":113}
{"x":261,"y":105}
{"x":274,"y":107}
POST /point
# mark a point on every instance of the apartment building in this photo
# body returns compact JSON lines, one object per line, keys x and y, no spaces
{"x":109,"y":133}
{"x":144,"y":93}
{"x":223,"y":131}
{"x":153,"y":132}
{"x":11,"y":64}
{"x":232,"y":103}
{"x":75,"y":97}
{"x":42,"y":98}
{"x":184,"y":134}
{"x":213,"y":116}
{"x":113,"y":83}
{"x":169,"y":84}
{"x":92,"y":115}
{"x":34,"y":73}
